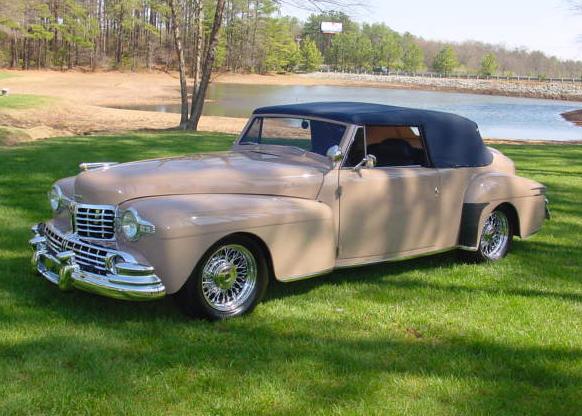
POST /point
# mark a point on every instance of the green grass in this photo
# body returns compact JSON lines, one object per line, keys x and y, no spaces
{"x":23,"y":101}
{"x":4,"y":75}
{"x":429,"y":336}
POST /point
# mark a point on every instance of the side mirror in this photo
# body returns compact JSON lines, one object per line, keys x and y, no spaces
{"x":368,"y":162}
{"x":334,"y":153}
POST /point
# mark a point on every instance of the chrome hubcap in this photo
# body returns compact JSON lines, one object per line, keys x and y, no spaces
{"x":229,"y":277}
{"x":495,"y":235}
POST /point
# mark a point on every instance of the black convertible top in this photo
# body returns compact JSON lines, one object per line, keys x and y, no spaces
{"x":451,"y":140}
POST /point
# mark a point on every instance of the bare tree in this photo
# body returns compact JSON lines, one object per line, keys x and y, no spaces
{"x":198,"y":99}
{"x":197,"y":55}
{"x":181,"y":64}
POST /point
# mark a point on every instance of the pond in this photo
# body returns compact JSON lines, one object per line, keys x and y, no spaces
{"x":497,"y":116}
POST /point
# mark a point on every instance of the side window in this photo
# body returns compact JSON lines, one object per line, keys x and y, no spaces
{"x":357,"y":150}
{"x":396,"y":145}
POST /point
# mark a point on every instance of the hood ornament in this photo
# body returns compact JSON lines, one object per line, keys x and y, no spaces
{"x":96,"y":165}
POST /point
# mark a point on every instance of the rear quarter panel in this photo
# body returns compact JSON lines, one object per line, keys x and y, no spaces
{"x":524,"y":195}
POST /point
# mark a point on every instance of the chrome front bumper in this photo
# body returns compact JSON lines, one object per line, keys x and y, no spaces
{"x":129,"y":281}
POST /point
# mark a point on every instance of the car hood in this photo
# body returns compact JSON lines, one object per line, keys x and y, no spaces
{"x":242,"y":172}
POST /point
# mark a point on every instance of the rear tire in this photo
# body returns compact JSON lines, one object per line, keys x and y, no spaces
{"x":229,"y":280}
{"x":496,"y":238}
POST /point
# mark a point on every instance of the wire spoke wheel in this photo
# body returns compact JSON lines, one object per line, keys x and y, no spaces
{"x":229,"y":277}
{"x":495,"y":236}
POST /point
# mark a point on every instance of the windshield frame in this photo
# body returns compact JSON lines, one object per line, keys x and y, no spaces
{"x":237,"y":145}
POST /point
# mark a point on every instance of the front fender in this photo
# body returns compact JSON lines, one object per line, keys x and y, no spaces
{"x":490,"y":190}
{"x":298,"y":233}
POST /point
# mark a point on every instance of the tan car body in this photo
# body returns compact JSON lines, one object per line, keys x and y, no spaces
{"x":309,"y":214}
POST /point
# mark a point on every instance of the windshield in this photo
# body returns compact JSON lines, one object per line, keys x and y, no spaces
{"x":311,"y":135}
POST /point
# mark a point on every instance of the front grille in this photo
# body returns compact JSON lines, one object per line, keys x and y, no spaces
{"x":89,"y":257}
{"x":95,"y":221}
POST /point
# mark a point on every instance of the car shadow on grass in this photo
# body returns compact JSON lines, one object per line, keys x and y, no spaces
{"x":27,"y":286}
{"x":397,"y":274}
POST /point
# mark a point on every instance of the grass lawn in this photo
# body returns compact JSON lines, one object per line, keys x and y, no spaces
{"x":427,"y":337}
{"x":22,"y":101}
{"x":4,"y":75}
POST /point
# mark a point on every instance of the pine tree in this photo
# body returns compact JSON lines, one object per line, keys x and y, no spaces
{"x":311,"y":58}
{"x":413,"y":59}
{"x":488,"y":65}
{"x":445,"y":61}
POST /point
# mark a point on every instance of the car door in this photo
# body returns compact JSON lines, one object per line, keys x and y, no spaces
{"x":386,"y":211}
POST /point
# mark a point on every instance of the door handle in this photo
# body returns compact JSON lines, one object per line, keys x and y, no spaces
{"x":436,"y":191}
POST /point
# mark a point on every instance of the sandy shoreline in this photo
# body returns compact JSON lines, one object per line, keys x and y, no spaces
{"x":81,"y":101}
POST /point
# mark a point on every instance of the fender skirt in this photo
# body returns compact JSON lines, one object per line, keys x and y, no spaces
{"x":470,"y":219}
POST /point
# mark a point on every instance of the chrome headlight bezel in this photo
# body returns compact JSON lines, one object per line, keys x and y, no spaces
{"x":56,"y":198}
{"x":132,"y":226}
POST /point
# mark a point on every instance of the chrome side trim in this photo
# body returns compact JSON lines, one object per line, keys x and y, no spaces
{"x":468,"y":248}
{"x":396,"y":259}
{"x":372,"y":262}
{"x":307,"y":276}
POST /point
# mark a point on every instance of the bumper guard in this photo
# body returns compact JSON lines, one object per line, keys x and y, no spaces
{"x":126,"y":281}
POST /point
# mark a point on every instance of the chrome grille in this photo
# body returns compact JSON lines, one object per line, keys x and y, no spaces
{"x":95,"y":221}
{"x":90,"y":258}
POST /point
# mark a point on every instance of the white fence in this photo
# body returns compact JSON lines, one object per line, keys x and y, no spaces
{"x":457,"y":76}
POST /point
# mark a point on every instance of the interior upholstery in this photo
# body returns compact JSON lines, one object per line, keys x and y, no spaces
{"x":396,"y":152}
{"x":395,"y":145}
{"x":377,"y":134}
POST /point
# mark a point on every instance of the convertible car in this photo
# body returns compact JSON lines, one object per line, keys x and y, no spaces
{"x":305,"y":189}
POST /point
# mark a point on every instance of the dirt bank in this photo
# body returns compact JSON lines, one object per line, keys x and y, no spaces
{"x":82,"y":103}
{"x":574,"y":116}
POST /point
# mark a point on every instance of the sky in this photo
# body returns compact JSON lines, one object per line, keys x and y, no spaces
{"x":549,"y":26}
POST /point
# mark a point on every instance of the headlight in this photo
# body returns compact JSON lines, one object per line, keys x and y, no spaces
{"x":133,"y":226}
{"x":130,"y":225}
{"x":55,"y":197}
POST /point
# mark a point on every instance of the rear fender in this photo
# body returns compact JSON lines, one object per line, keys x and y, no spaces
{"x":490,"y":190}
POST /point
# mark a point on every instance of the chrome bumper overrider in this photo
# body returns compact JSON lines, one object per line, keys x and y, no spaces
{"x":129,"y":281}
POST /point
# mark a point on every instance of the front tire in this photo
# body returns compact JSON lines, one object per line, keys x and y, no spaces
{"x":229,"y":280}
{"x":496,"y":238}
